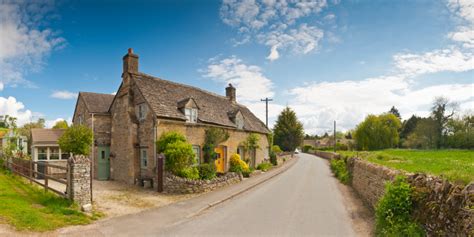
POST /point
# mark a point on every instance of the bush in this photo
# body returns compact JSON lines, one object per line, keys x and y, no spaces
{"x":339,"y":168}
{"x":307,"y":148}
{"x":273,"y":158}
{"x":237,"y":165}
{"x":207,"y":171}
{"x":168,"y":138}
{"x":188,"y":172}
{"x":393,"y":211}
{"x":179,"y":155}
{"x":246,"y":173}
{"x":265,"y":166}
{"x":76,"y":140}
{"x":276,"y":149}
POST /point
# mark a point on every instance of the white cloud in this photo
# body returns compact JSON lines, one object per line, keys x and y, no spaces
{"x":348,"y":102}
{"x":24,"y":40}
{"x":10,"y":106}
{"x":64,"y":95}
{"x":464,"y":34}
{"x":272,"y":23}
{"x":451,"y":59}
{"x":249,"y":80}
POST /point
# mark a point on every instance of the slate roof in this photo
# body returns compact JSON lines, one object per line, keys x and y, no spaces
{"x":163,"y":97}
{"x":97,"y":103}
{"x":45,"y":136}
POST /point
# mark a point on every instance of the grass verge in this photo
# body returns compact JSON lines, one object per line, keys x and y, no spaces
{"x":28,"y":207}
{"x":454,"y":165}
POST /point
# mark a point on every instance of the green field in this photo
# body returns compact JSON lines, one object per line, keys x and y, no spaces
{"x":27,"y":207}
{"x":454,"y":165}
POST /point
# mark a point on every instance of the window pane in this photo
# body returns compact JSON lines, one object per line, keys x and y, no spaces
{"x":197,"y":153}
{"x":42,"y":154}
{"x":54,"y":153}
{"x":144,"y":160}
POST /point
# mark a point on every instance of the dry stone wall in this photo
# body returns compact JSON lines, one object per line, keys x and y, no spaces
{"x":175,"y":184}
{"x":79,"y":189}
{"x":443,"y":208}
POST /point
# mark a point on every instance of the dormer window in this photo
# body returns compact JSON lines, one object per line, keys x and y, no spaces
{"x":239,"y":122}
{"x":191,"y":115}
{"x":190,"y":109}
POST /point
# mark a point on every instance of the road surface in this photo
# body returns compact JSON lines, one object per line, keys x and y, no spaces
{"x":303,"y":201}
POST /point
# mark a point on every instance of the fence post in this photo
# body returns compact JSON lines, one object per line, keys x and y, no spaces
{"x":46,"y":168}
{"x":31,"y":171}
{"x":159,"y":173}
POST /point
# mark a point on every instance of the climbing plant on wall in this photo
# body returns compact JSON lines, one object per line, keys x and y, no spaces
{"x":213,"y":137}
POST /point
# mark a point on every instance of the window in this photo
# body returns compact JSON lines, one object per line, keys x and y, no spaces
{"x":143,"y":158}
{"x":141,"y":111}
{"x":239,"y":122}
{"x":64,"y":156}
{"x":54,"y":153}
{"x":191,"y":115}
{"x":197,"y":153}
{"x":241,"y":152}
{"x":42,"y":154}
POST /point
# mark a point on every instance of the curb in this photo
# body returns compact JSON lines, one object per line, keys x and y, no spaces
{"x":282,"y":169}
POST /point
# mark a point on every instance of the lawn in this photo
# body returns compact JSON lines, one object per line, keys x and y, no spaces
{"x":454,"y":165}
{"x":27,"y":207}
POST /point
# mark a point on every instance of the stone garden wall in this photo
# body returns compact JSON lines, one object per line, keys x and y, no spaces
{"x":175,"y":184}
{"x":79,"y":189}
{"x":440,"y":206}
{"x":326,"y":154}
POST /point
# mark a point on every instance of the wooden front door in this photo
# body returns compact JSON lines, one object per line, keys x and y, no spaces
{"x":103,"y":163}
{"x":220,"y":159}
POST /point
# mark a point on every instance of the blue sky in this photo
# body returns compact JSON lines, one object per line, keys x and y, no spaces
{"x":328,"y":60}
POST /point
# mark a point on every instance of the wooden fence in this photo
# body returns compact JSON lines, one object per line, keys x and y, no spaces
{"x":35,"y":171}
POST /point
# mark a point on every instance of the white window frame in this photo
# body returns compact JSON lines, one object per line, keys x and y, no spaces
{"x":197,"y":155}
{"x":81,"y":119}
{"x":142,"y":111}
{"x":51,"y":153}
{"x":143,"y":158}
{"x":191,"y":115}
{"x":40,"y":153}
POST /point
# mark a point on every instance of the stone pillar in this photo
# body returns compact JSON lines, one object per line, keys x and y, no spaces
{"x":79,"y":187}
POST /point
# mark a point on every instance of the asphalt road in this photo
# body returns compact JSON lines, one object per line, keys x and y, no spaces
{"x":303,"y":201}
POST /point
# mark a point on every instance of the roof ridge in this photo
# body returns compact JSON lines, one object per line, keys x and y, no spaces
{"x":185,"y":85}
{"x":97,"y":93}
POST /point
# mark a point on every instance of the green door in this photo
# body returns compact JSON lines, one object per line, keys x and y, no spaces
{"x":103,"y":169}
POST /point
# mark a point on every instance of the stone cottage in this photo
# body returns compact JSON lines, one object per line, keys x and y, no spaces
{"x":126,"y":125}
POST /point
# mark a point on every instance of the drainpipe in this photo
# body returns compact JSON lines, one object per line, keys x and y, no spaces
{"x":92,"y":156}
{"x":154,"y":144}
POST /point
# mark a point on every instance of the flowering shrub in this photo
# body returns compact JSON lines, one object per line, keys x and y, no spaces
{"x":238,"y":165}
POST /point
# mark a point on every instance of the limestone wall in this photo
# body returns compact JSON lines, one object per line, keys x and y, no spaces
{"x":175,"y":184}
{"x":440,"y":206}
{"x":79,"y":189}
{"x":326,"y":154}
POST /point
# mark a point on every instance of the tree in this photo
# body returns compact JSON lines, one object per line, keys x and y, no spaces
{"x":288,"y":131}
{"x":408,"y":126}
{"x":424,"y":135}
{"x":25,"y":130}
{"x":77,"y":140}
{"x":377,"y":132}
{"x":461,"y":132}
{"x":179,"y":154}
{"x":348,"y":135}
{"x":61,"y":124}
{"x":441,"y":111}
{"x":395,"y":112}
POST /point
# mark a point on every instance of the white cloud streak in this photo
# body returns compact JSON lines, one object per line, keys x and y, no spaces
{"x":64,"y":95}
{"x":10,"y":106}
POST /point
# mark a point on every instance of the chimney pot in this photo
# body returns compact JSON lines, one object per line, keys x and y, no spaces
{"x":130,"y":50}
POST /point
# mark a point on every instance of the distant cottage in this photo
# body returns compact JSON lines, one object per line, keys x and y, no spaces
{"x":126,"y":125}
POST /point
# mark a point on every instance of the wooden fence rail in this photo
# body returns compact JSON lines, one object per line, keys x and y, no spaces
{"x":31,"y":170}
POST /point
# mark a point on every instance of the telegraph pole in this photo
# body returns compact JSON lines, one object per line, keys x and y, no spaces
{"x":266,"y":109}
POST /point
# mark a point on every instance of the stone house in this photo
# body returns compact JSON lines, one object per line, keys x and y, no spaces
{"x":145,"y":107}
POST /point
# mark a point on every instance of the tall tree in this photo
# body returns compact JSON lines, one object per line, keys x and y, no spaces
{"x":61,"y":124}
{"x":288,"y":131}
{"x":424,"y":135}
{"x":395,"y":112}
{"x":408,"y":126}
{"x":377,"y":132}
{"x":441,"y":112}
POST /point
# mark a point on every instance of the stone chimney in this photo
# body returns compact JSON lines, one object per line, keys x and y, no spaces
{"x":230,"y":93}
{"x":130,"y":62}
